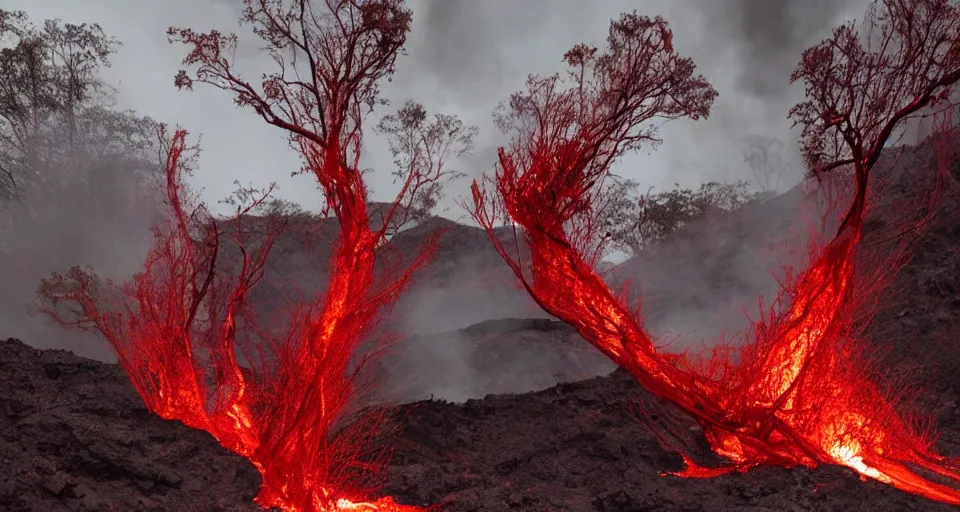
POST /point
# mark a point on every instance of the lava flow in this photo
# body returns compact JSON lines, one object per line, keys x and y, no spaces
{"x":801,"y":391}
{"x":286,"y":394}
{"x":798,"y":395}
{"x":177,"y":329}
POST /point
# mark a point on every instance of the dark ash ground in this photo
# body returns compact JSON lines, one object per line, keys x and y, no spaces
{"x":74,"y":436}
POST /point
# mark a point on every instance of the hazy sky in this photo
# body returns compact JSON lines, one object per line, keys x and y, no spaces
{"x":464,"y":57}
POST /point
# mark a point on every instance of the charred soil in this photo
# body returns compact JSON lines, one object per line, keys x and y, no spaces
{"x":74,"y":436}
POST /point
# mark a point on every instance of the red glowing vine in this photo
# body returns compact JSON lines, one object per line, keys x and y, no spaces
{"x":178,"y":327}
{"x":800,"y":393}
{"x":295,"y":410}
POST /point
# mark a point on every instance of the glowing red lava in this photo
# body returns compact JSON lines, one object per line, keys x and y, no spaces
{"x":176,"y":331}
{"x":798,"y":395}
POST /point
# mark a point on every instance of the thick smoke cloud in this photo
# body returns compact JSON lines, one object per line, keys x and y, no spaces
{"x":464,"y":57}
{"x":460,"y":53}
{"x":475,"y":48}
{"x":770,"y":36}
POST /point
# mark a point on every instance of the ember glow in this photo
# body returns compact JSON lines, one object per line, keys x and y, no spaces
{"x":290,"y":416}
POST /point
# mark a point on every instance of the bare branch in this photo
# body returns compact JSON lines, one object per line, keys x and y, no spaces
{"x":862,"y":84}
{"x":330,"y":59}
{"x":423,"y":149}
{"x":566,"y":132}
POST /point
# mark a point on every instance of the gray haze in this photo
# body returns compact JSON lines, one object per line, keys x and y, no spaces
{"x":770,"y":36}
{"x":464,"y":57}
{"x":494,"y":357}
{"x":86,"y":217}
{"x":700,"y":285}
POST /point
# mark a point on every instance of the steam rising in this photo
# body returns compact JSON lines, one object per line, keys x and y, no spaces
{"x":770,"y":36}
{"x":98,"y":217}
{"x":470,"y":54}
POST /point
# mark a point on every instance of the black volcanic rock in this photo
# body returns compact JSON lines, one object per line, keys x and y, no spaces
{"x":74,"y":436}
{"x":492,"y":357}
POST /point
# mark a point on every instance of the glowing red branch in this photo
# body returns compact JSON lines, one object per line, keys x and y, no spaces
{"x":175,"y":328}
{"x":800,"y":393}
{"x":180,"y":327}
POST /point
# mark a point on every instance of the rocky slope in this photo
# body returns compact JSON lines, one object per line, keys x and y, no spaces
{"x":75,"y":437}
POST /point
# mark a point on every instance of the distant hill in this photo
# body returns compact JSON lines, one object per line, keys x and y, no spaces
{"x":700,"y":283}
{"x":705,"y":278}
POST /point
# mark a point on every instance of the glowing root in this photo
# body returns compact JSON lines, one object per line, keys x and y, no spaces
{"x":386,"y":504}
{"x":801,"y":403}
{"x":174,"y":328}
{"x":797,"y":395}
{"x":809,"y":383}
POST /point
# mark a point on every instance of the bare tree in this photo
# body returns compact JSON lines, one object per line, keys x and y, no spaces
{"x":48,"y":82}
{"x":297,"y":415}
{"x":60,"y":140}
{"x":862,"y":83}
{"x":581,"y":123}
{"x":619,"y":213}
{"x":565,"y":135}
{"x":419,"y":142}
{"x":764,"y":156}
{"x":183,"y":327}
{"x":800,"y":393}
{"x":635,"y":223}
{"x":79,"y":179}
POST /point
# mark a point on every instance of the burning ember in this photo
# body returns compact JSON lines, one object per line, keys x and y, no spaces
{"x":800,"y":393}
